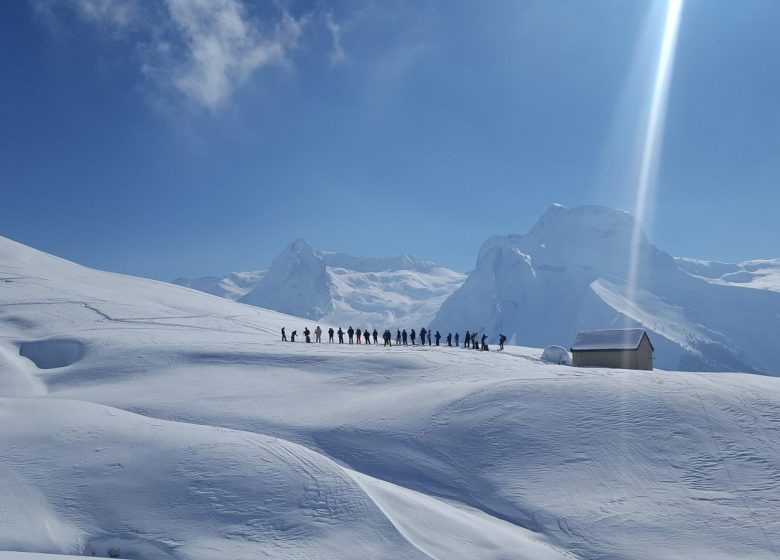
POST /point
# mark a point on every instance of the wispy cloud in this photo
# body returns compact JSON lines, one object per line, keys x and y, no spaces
{"x":336,"y":29}
{"x":118,"y":13}
{"x":219,"y":48}
{"x":200,"y":49}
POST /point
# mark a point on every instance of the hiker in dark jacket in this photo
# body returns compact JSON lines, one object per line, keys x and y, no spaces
{"x":330,"y":334}
{"x":367,"y":336}
{"x":293,"y":335}
{"x":501,"y":341}
{"x":405,"y":338}
{"x":423,"y":332}
{"x":388,"y":338}
{"x":341,"y":336}
{"x":376,"y":336}
{"x":467,"y":340}
{"x":484,"y":343}
{"x":307,"y":334}
{"x":449,"y":339}
{"x":398,"y":337}
{"x":358,"y":336}
{"x":350,"y":333}
{"x":437,"y":336}
{"x":457,"y":339}
{"x":429,"y":337}
{"x":413,"y":336}
{"x":284,"y":336}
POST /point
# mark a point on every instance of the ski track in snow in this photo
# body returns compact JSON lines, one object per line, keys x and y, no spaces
{"x":165,"y":423}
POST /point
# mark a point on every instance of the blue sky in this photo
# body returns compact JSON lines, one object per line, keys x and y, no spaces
{"x":182,"y":137}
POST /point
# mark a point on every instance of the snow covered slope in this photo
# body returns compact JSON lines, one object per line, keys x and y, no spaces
{"x":158,"y":422}
{"x":569,"y":274}
{"x":341,"y":289}
{"x":758,"y":274}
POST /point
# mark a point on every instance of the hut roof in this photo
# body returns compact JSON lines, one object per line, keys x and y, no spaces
{"x":615,"y":339}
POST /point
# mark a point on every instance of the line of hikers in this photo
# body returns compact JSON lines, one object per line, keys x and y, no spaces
{"x":402,"y":338}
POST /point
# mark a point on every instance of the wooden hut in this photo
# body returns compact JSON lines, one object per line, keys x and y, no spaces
{"x":617,"y":348}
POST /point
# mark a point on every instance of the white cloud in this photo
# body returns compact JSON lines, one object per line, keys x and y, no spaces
{"x":118,"y":13}
{"x":336,"y":29}
{"x":220,"y":48}
{"x":201,"y":49}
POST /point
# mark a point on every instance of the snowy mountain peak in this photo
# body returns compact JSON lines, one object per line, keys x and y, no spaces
{"x":298,"y":249}
{"x":589,"y":220}
{"x":570,"y":273}
{"x":297,"y":284}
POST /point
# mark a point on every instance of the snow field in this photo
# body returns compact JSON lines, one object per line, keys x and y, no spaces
{"x":174,"y":424}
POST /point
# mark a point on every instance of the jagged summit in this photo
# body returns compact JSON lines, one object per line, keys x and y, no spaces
{"x":297,"y":284}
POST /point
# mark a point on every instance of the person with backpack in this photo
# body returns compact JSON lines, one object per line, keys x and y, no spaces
{"x":375,"y":336}
{"x":350,"y":333}
{"x":358,"y":336}
{"x":449,"y":339}
{"x":501,"y":341}
{"x":367,"y":336}
{"x":457,"y":339}
{"x":398,"y":337}
{"x":413,"y":336}
{"x":330,"y":334}
{"x":387,"y":338}
{"x":437,"y":336}
{"x":306,"y":334}
{"x":284,"y":336}
{"x":423,"y":332}
{"x":467,"y":340}
{"x":318,"y":334}
{"x":293,"y":335}
{"x":484,"y":343}
{"x":341,"y":336}
{"x":405,"y":338}
{"x":429,"y":337}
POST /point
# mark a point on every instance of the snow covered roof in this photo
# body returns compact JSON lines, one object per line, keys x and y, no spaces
{"x":616,"y":339}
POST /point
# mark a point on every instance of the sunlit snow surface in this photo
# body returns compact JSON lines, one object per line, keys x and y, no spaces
{"x":161,"y":422}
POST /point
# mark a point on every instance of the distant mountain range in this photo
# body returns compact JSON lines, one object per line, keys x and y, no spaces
{"x":566,"y":275}
{"x":340,"y":289}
